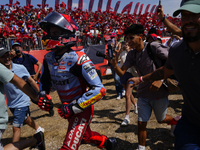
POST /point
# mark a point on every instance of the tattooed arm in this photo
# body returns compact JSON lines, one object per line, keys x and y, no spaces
{"x":159,"y":74}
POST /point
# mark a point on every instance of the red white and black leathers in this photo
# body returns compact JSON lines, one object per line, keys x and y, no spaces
{"x":76,"y":81}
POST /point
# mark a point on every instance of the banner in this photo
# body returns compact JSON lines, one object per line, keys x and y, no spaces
{"x":43,"y":3}
{"x":28,"y":3}
{"x":136,"y":7}
{"x":91,"y":5}
{"x":147,"y":8}
{"x":155,"y":11}
{"x":80,"y":5}
{"x":127,"y":8}
{"x":100,"y":5}
{"x":117,"y":6}
{"x":10,"y":2}
{"x":152,"y":9}
{"x":108,"y":5}
{"x":69,"y":4}
{"x":141,"y":7}
{"x":57,"y":2}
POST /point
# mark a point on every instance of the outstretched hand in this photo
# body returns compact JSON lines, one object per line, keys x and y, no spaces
{"x":160,"y":12}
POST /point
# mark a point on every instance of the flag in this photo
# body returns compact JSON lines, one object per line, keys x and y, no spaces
{"x":43,"y":3}
{"x":141,"y":7}
{"x":80,"y":5}
{"x":155,"y":11}
{"x":63,"y":5}
{"x":117,"y":6}
{"x":28,"y":3}
{"x":91,"y":5}
{"x":69,"y":4}
{"x":57,"y":3}
{"x":108,"y":5}
{"x":7,"y":29}
{"x":100,"y":5}
{"x":127,"y":8}
{"x":10,"y":2}
{"x":136,"y":7}
{"x":152,"y":9}
{"x":147,"y":8}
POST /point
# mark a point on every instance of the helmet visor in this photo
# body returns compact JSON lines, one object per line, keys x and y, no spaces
{"x":56,"y":19}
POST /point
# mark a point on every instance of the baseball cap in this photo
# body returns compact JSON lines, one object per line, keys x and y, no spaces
{"x":188,"y":5}
{"x":16,"y":43}
{"x":154,"y":36}
{"x":3,"y":50}
{"x":113,"y":35}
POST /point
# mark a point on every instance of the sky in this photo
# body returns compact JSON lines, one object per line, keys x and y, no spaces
{"x":169,"y":6}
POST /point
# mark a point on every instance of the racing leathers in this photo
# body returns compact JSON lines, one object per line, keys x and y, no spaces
{"x":76,"y":81}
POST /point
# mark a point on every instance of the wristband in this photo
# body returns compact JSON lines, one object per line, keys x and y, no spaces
{"x":141,"y":80}
{"x":163,"y":19}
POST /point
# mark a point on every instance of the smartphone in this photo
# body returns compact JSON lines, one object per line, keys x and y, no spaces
{"x":110,"y":51}
{"x":159,"y":3}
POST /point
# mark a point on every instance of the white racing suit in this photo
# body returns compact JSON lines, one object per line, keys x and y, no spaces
{"x":75,"y":78}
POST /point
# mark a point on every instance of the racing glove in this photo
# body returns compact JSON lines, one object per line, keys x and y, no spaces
{"x":45,"y":101}
{"x":67,"y":110}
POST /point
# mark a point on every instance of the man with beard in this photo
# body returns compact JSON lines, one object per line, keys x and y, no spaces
{"x":184,"y":61}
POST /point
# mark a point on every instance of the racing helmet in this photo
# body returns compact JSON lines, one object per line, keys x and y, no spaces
{"x":70,"y":32}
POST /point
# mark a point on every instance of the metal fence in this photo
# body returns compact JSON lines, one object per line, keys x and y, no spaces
{"x":36,"y":43}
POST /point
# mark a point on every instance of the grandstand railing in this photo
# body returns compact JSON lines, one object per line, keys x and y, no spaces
{"x":36,"y":43}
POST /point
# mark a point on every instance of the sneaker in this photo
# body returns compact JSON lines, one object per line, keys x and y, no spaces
{"x":40,"y":140}
{"x":114,"y":143}
{"x":125,"y":122}
{"x":172,"y":130}
{"x":39,"y":129}
{"x":124,"y":93}
{"x":136,"y":110}
{"x":118,"y":97}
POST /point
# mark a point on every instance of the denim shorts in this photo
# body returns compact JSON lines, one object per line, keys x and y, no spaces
{"x":20,"y":114}
{"x":187,"y":135}
{"x":145,"y":107}
{"x":125,"y":77}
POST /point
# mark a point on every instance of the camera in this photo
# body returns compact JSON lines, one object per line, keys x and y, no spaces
{"x":17,"y":51}
{"x":110,"y":51}
{"x":100,"y":54}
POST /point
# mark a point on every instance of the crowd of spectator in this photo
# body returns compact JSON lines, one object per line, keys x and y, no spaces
{"x":22,"y":24}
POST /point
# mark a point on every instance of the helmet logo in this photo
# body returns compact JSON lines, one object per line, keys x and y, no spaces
{"x":69,"y":28}
{"x":70,"y":39}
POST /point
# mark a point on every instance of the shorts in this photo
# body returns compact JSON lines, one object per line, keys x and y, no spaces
{"x":145,"y":107}
{"x":186,"y":135}
{"x":20,"y":114}
{"x":125,"y":77}
{"x":1,"y":132}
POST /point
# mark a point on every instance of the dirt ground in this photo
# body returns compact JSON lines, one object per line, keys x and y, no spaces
{"x":108,"y":115}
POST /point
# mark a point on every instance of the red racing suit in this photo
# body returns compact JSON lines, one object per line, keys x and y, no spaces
{"x":75,"y":78}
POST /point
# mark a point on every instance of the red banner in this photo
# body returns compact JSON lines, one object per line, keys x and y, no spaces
{"x":10,"y":2}
{"x":57,"y":3}
{"x":136,"y":7}
{"x":152,"y":9}
{"x":127,"y":8}
{"x":147,"y":8}
{"x":117,"y":6}
{"x":155,"y":11}
{"x":100,"y":5}
{"x":141,"y":7}
{"x":43,"y":3}
{"x":91,"y":5}
{"x":28,"y":3}
{"x":80,"y":5}
{"x":69,"y":4}
{"x":108,"y":5}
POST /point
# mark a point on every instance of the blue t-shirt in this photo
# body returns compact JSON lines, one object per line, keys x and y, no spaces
{"x":28,"y":61}
{"x":15,"y":97}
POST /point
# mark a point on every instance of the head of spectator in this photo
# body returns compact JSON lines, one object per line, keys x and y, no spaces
{"x":134,"y":36}
{"x":5,"y":58}
{"x":151,"y":37}
{"x":190,"y":14}
{"x":17,"y":48}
